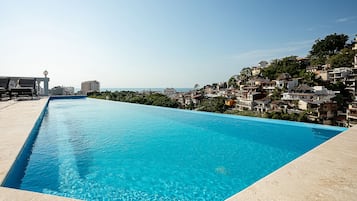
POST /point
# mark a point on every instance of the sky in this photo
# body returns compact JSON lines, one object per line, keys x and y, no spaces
{"x":160,"y":43}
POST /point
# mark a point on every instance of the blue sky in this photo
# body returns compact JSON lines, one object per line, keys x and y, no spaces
{"x":160,"y":43}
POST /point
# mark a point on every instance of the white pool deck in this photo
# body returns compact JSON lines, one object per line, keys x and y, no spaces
{"x":328,"y":172}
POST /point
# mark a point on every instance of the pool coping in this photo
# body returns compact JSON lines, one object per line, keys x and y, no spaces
{"x":305,"y":178}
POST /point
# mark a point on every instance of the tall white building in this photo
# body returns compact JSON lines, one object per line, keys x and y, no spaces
{"x":90,"y":86}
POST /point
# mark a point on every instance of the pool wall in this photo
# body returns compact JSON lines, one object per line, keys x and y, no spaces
{"x":68,"y":97}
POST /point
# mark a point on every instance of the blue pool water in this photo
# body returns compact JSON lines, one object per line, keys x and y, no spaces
{"x":95,"y":149}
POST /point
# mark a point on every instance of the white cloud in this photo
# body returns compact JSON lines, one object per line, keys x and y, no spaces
{"x":332,"y":24}
{"x":345,"y":19}
{"x":319,"y":27}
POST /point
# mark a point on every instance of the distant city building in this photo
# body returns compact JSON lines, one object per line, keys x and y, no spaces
{"x":60,"y":90}
{"x":246,"y":97}
{"x":169,"y":92}
{"x":352,"y":114}
{"x":69,"y":90}
{"x":306,"y":93}
{"x":323,"y":74}
{"x":352,"y":78}
{"x":355,"y":60}
{"x":90,"y":86}
{"x":351,"y":81}
{"x":339,"y":74}
{"x":285,"y":81}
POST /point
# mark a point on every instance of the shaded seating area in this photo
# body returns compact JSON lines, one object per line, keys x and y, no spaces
{"x":4,"y":87}
{"x":23,"y":88}
{"x":26,"y":87}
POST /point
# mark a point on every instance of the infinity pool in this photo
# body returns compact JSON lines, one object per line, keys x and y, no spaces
{"x":94,"y":149}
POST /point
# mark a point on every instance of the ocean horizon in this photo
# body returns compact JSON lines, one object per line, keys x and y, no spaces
{"x":143,"y":89}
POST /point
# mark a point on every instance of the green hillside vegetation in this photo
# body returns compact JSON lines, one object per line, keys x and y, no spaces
{"x":289,"y":65}
{"x":323,"y":49}
{"x":342,"y":59}
{"x":213,"y":105}
{"x":333,"y":50}
{"x":152,"y":98}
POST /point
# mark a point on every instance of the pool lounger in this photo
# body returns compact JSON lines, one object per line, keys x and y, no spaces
{"x":4,"y":87}
{"x":26,"y":87}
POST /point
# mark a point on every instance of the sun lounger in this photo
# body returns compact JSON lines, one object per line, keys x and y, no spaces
{"x":26,"y":87}
{"x":4,"y":87}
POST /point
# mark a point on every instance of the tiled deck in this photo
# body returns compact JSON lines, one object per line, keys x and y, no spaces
{"x":329,"y":172}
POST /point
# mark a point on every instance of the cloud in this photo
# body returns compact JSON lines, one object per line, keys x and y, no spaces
{"x":345,"y":19}
{"x":318,"y":27}
{"x":290,"y":48}
{"x":332,"y":24}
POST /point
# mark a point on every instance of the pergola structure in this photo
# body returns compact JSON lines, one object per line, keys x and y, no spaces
{"x":40,"y":91}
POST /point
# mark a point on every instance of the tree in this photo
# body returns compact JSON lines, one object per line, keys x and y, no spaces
{"x":263,"y":64}
{"x":245,"y":73}
{"x":232,"y":82}
{"x":285,"y":65}
{"x":222,"y":85}
{"x":277,"y":93}
{"x":136,"y":97}
{"x":329,"y":46}
{"x":310,"y":79}
{"x":216,"y":104}
{"x":342,"y":59}
{"x":196,"y":87}
{"x":344,"y":97}
{"x":302,"y":117}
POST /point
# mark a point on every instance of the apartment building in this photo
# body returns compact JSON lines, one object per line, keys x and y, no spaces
{"x":339,"y":74}
{"x":90,"y":86}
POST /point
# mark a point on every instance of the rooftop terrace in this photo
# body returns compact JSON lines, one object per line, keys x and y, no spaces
{"x":328,"y":172}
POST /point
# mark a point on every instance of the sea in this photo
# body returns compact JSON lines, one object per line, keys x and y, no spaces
{"x":143,"y":89}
